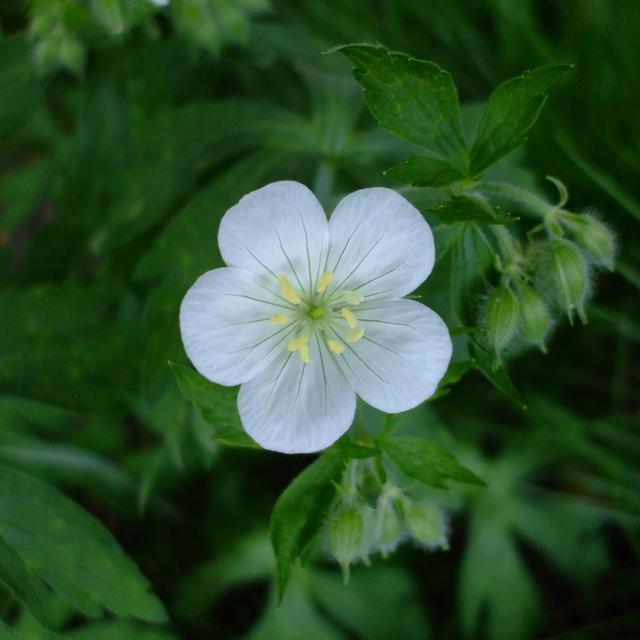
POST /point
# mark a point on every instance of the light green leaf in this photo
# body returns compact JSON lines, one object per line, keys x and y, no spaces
{"x":426,"y":462}
{"x":470,"y":208}
{"x":217,"y":405}
{"x":417,"y":101}
{"x":71,"y":551}
{"x":301,"y":510}
{"x":351,"y":449}
{"x":510,"y":112}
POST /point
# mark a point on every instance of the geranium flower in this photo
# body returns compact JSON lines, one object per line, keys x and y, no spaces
{"x":309,"y":312}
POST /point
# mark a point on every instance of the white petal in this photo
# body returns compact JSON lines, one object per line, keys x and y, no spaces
{"x":226,"y":328}
{"x":280,"y":229}
{"x":298,"y":408}
{"x":380,"y":244}
{"x":403,"y":355}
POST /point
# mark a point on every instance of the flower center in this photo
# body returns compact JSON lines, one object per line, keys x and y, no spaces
{"x":322,"y":312}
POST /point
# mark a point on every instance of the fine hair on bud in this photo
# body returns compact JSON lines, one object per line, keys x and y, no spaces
{"x":346,"y":535}
{"x":592,"y":235}
{"x":536,"y":322}
{"x":390,"y":531}
{"x":564,"y":270}
{"x":427,"y":523}
{"x":500,"y":318}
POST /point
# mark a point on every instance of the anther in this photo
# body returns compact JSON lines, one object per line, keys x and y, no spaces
{"x":325,"y":280}
{"x":352,"y":297}
{"x":297,"y":343}
{"x":303,"y":352}
{"x":350,"y":317}
{"x":353,"y":335}
{"x":279,"y":318}
{"x":287,"y":291}
{"x":335,"y":346}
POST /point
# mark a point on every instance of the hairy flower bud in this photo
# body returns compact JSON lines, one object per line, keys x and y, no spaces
{"x":569,"y":276}
{"x":502,"y":316}
{"x":535,"y":316}
{"x":593,"y":236}
{"x":346,"y":536}
{"x":426,"y":523}
{"x":390,"y":530}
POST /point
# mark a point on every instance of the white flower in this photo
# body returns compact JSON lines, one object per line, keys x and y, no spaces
{"x":309,"y":312}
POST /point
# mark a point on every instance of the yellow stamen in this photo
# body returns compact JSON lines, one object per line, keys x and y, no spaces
{"x":317,"y":312}
{"x":303,"y":352}
{"x":279,"y":318}
{"x":325,"y":280}
{"x":287,"y":291}
{"x":354,"y":334}
{"x":335,"y":346}
{"x":350,"y":317}
{"x":297,"y":343}
{"x":352,"y":297}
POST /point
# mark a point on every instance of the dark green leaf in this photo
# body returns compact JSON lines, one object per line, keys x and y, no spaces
{"x":426,"y":462}
{"x":351,"y":449}
{"x":471,"y":257}
{"x":24,"y":584}
{"x":455,"y":373}
{"x":417,"y":101}
{"x":301,"y":510}
{"x":469,"y":208}
{"x":424,"y":172}
{"x":497,"y":375}
{"x":71,"y":551}
{"x":217,"y":405}
{"x":510,"y":112}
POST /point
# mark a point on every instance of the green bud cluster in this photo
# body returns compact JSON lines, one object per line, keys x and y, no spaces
{"x":365,"y":520}
{"x":592,"y":236}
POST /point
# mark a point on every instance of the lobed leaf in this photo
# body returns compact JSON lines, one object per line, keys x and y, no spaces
{"x":510,"y":112}
{"x":301,"y":510}
{"x":427,"y":462}
{"x":68,"y":549}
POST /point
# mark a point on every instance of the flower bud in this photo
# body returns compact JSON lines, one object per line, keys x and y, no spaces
{"x":346,"y":536}
{"x":426,"y":523}
{"x":390,"y":530}
{"x":569,"y":275}
{"x":535,"y":316}
{"x":593,"y":236}
{"x":502,"y":316}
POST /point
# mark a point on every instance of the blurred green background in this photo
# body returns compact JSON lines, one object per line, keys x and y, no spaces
{"x":127,"y":129}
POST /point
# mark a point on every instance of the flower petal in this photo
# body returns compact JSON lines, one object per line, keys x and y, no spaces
{"x":279,"y":229}
{"x":402,"y":356}
{"x":380,"y":244}
{"x":297,"y":408}
{"x":226,"y":328}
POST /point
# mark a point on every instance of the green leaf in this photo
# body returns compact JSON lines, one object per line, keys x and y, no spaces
{"x":470,"y":208}
{"x":71,"y":551}
{"x":510,"y":112}
{"x":424,"y":172}
{"x":417,"y":101}
{"x":455,"y":373}
{"x":301,"y":510}
{"x":426,"y":462}
{"x":351,"y":449}
{"x":24,"y":584}
{"x":471,"y":257}
{"x":497,"y":375}
{"x":217,"y":405}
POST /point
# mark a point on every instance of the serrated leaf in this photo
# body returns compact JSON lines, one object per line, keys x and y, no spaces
{"x":71,"y":551}
{"x":426,"y":462}
{"x":510,"y":112}
{"x":217,"y":405}
{"x":417,"y":101}
{"x":301,"y":510}
{"x":470,"y":208}
{"x":424,"y":172}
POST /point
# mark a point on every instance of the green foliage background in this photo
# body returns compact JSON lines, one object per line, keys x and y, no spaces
{"x":126,"y":131}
